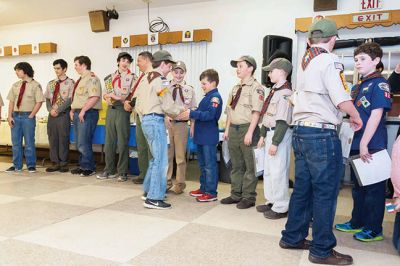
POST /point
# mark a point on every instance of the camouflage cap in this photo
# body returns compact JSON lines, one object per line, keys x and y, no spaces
{"x":162,"y":55}
{"x":279,"y":63}
{"x":323,"y":28}
{"x":179,"y":64}
{"x":246,"y":58}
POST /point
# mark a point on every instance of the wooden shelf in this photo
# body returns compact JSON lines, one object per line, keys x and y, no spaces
{"x":172,"y":37}
{"x":26,"y":49}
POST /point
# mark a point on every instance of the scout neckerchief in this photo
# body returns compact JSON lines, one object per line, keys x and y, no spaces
{"x":57,"y":90}
{"x":310,"y":54}
{"x":21,"y":93}
{"x":135,"y":87}
{"x":73,"y":92}
{"x":356,"y":90}
{"x":118,"y":78}
{"x":235,"y":99}
{"x":178,"y":87}
{"x":267,"y":101}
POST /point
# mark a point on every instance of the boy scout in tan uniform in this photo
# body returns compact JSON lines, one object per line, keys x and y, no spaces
{"x":243,"y":112}
{"x":184,"y":96}
{"x":86,"y":103}
{"x":118,"y":86}
{"x":58,"y":102}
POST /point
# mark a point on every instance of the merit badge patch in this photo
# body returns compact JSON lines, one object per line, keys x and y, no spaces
{"x":384,"y":86}
{"x":339,"y":66}
{"x":358,"y":103}
{"x":365,"y":102}
{"x":365,"y":89}
{"x":261,"y":92}
{"x":344,"y":82}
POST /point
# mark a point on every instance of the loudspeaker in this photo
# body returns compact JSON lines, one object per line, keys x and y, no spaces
{"x":274,"y":47}
{"x":325,"y":5}
{"x":99,"y":22}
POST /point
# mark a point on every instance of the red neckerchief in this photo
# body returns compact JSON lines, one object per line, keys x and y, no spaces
{"x":118,"y":78}
{"x":267,"y":101}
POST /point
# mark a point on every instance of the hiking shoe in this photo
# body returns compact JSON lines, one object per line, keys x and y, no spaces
{"x":32,"y":169}
{"x":88,"y":173}
{"x":229,"y":200}
{"x":305,"y":244}
{"x":347,"y":227}
{"x":12,"y":169}
{"x":368,"y":236}
{"x":64,"y":169}
{"x":196,"y":193}
{"x":245,"y":204}
{"x":76,"y":171}
{"x":122,"y":178}
{"x":53,"y":168}
{"x":156,"y":204}
{"x":178,"y":188}
{"x":206,"y":197}
{"x":335,"y":258}
{"x":274,"y":215}
{"x":264,"y":208}
{"x":105,"y":175}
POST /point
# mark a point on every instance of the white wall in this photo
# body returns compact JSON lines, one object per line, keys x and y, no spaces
{"x":238,"y":28}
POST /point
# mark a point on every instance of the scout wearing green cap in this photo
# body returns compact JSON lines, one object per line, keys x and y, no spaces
{"x":163,"y":55}
{"x":279,"y":63}
{"x":323,"y":28}
{"x":246,"y":58}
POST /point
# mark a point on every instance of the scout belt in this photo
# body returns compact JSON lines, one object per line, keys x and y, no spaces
{"x":315,"y":125}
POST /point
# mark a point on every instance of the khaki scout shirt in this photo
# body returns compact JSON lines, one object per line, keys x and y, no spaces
{"x":189,"y":97}
{"x":88,"y":86}
{"x":33,"y":94}
{"x":251,"y":100}
{"x":65,"y":93}
{"x":127,"y":83}
{"x":1,"y":101}
{"x":148,"y":101}
{"x":319,"y":91}
{"x":279,"y":108}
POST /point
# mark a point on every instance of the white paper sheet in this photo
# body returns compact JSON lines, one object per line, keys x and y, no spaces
{"x":225,"y":152}
{"x":377,"y":170}
{"x":259,"y":154}
{"x":346,"y":135}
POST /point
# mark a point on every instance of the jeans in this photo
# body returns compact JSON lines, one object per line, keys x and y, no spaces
{"x":369,"y":203}
{"x":396,"y":233}
{"x":155,"y":181}
{"x":207,"y":158}
{"x":318,"y":167}
{"x":24,"y":127}
{"x":83,"y":137}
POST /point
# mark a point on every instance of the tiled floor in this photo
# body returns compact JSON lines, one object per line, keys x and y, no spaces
{"x":61,"y":219}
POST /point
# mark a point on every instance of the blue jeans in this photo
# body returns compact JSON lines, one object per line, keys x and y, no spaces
{"x":207,"y":158}
{"x":24,"y":127}
{"x":155,"y":181}
{"x":83,"y":138}
{"x":318,"y":168}
{"x":396,"y":233}
{"x":369,"y":203}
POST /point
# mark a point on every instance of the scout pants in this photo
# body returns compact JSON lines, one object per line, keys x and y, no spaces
{"x":24,"y":127}
{"x":117,"y":138}
{"x":178,"y":136}
{"x":243,"y":178}
{"x":58,"y":131}
{"x":276,"y":171}
{"x":144,"y":155}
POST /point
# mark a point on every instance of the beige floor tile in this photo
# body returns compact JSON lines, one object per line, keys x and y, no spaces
{"x":70,"y":178}
{"x":249,"y":220}
{"x":205,"y":245}
{"x":7,"y":199}
{"x":90,"y":196}
{"x":10,"y":178}
{"x":2,"y":238}
{"x":34,"y":187}
{"x":105,"y":234}
{"x":26,"y":215}
{"x":19,"y":253}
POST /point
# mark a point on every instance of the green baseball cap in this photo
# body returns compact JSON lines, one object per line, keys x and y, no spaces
{"x":163,"y":55}
{"x":323,"y":28}
{"x":246,"y":58}
{"x":279,"y":63}
{"x":179,"y":64}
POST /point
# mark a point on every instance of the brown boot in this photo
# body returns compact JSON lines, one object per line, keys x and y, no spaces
{"x":178,"y":188}
{"x":335,"y":258}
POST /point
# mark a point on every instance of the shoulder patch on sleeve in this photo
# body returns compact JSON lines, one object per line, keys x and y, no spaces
{"x":384,"y":86}
{"x":215,"y":102}
{"x":260,"y":91}
{"x":339,"y":66}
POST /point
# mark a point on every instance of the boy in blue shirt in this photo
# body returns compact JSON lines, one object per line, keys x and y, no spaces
{"x":206,"y":135}
{"x":371,"y":97}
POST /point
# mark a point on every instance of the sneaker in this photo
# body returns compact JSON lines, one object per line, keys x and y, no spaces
{"x":196,"y":193}
{"x":245,"y":204}
{"x":87,"y":172}
{"x":368,"y":236}
{"x":229,"y":200}
{"x":264,"y":208}
{"x":206,"y":198}
{"x":64,"y":169}
{"x":347,"y":227}
{"x":123,"y":178}
{"x":335,"y":258}
{"x":144,"y":196}
{"x":274,"y":215}
{"x":12,"y":170}
{"x":156,"y":204}
{"x":105,"y":175}
{"x":76,"y":171}
{"x":53,"y":168}
{"x":32,"y":169}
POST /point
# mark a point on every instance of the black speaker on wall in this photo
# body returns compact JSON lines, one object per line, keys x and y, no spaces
{"x":273,"y":47}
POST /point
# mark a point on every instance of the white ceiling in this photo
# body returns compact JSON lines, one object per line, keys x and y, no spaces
{"x":25,"y":11}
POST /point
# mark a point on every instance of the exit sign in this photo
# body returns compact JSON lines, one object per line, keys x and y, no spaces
{"x":366,"y":5}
